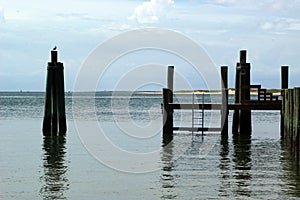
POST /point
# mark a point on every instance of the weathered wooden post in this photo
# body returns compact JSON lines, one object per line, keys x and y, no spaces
{"x":171,"y":77}
{"x":236,"y":113}
{"x":54,"y":114}
{"x":245,"y":115}
{"x":61,"y":99}
{"x":224,"y":110}
{"x":242,"y":118}
{"x":284,"y":86}
{"x":286,"y":115}
{"x":290,"y":116}
{"x":295,"y":122}
{"x":167,"y":116}
{"x":167,"y":111}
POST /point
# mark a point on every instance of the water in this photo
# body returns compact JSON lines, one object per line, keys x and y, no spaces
{"x":209,"y":167}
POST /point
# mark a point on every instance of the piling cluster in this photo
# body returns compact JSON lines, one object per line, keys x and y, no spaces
{"x":54,"y":122}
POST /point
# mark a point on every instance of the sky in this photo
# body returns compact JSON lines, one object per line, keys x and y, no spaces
{"x":268,"y":29}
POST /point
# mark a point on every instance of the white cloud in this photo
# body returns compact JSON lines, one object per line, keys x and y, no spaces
{"x":282,"y":24}
{"x":2,"y":19}
{"x":151,"y":11}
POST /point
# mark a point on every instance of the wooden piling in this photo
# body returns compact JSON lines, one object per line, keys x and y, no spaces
{"x":54,"y":102}
{"x":167,"y":116}
{"x":296,"y":124}
{"x":236,"y":113}
{"x":224,"y":110}
{"x":284,"y":86}
{"x":242,"y":118}
{"x":171,"y":78}
{"x":61,"y":99}
{"x":291,"y":121}
{"x":47,"y":122}
{"x":54,"y":122}
{"x":245,"y":115}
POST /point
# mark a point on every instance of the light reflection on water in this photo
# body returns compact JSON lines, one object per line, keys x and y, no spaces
{"x":55,"y":178}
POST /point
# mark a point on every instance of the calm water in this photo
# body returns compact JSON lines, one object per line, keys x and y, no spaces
{"x":193,"y":167}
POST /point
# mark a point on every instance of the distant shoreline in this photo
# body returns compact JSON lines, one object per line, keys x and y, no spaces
{"x":230,"y":91}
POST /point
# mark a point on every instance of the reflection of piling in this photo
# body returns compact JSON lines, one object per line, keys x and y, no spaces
{"x":54,"y":180}
{"x":242,"y":118}
{"x":54,"y":113}
{"x":224,"y":109}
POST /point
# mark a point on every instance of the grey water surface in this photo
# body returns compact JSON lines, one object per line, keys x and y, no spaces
{"x":192,"y":167}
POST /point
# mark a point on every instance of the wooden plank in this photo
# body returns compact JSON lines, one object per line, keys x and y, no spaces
{"x":205,"y":129}
{"x":251,"y":105}
{"x":187,"y":106}
{"x":271,"y":105}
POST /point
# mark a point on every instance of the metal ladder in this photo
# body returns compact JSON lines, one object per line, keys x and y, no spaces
{"x":197,"y":115}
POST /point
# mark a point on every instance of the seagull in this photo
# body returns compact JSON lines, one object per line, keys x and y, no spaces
{"x":54,"y":48}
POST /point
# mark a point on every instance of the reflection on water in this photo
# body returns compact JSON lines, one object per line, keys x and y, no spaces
{"x":242,"y":161}
{"x":167,"y":177}
{"x":54,"y":180}
{"x":235,"y":174}
{"x":225,"y":169}
{"x":291,"y":171}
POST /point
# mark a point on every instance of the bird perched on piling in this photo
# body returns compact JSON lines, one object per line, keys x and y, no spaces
{"x":54,"y":48}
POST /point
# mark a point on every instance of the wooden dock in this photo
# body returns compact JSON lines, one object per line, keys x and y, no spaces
{"x":242,"y":106}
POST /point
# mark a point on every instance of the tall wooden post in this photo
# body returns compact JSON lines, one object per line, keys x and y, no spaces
{"x":242,"y":118}
{"x":167,"y":116}
{"x":236,"y":113}
{"x":167,"y":111}
{"x":295,"y":119}
{"x":54,"y":122}
{"x":284,"y":86}
{"x":61,"y":99}
{"x":47,"y":122}
{"x":171,"y":77}
{"x":224,"y":111}
{"x":245,"y":115}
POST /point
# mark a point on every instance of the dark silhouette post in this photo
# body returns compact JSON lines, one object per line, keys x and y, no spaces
{"x":245,"y":115}
{"x":236,"y":113}
{"x":224,"y":110}
{"x":54,"y":122}
{"x":167,"y":116}
{"x":242,"y":118}
{"x":167,"y":111}
{"x":171,"y":77}
{"x":284,"y":86}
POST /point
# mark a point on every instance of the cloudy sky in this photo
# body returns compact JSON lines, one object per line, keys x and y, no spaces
{"x":268,"y":29}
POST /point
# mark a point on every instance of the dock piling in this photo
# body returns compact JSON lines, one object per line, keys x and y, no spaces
{"x":224,"y":110}
{"x":167,"y":116}
{"x":284,"y":86}
{"x":242,"y":118}
{"x":167,"y":110}
{"x":54,"y":122}
{"x":171,"y":77}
